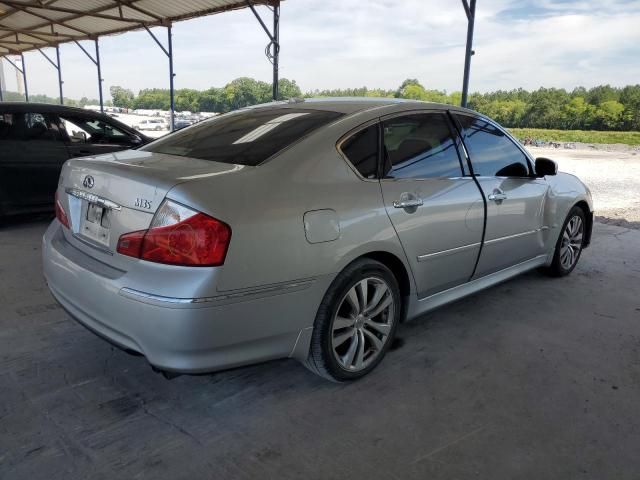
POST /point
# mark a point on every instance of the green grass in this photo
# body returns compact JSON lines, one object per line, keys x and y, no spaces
{"x":583,"y":136}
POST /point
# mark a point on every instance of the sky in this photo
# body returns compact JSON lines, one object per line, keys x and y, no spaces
{"x":374,"y":43}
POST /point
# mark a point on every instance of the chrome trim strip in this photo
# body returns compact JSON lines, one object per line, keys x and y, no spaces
{"x":510,"y":237}
{"x":224,"y":298}
{"x":429,"y":256}
{"x":93,"y":198}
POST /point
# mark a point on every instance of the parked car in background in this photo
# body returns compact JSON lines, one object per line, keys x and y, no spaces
{"x":307,"y":230}
{"x":156,"y":124}
{"x":182,"y":123}
{"x":36,"y":139}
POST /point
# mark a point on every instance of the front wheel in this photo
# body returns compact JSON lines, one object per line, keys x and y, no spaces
{"x":356,"y":322}
{"x":569,"y":245}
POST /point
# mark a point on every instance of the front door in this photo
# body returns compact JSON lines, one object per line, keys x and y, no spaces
{"x":515,"y":230}
{"x":435,"y":208}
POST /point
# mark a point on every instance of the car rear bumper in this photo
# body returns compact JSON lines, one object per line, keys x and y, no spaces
{"x":181,"y":334}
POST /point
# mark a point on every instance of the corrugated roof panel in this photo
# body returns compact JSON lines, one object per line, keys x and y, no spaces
{"x":83,"y":19}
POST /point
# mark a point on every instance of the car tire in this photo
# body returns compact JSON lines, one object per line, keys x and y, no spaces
{"x":569,"y":245}
{"x":353,"y":331}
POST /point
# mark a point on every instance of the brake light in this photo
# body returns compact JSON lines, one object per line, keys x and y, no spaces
{"x":179,"y":236}
{"x":61,"y":215}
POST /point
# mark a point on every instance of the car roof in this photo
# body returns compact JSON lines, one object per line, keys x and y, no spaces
{"x":350,"y":105}
{"x":45,"y":108}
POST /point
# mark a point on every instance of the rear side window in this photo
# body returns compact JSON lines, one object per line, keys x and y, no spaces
{"x":492,"y":153}
{"x":361,"y":149}
{"x":246,"y":137}
{"x":420,"y":146}
{"x":29,"y":127}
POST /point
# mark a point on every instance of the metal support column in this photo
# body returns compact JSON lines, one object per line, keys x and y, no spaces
{"x":60,"y":82}
{"x":272,"y":51}
{"x":470,"y":10}
{"x":169,"y":53}
{"x":96,"y":62}
{"x":171,"y":99}
{"x":24,"y":78}
{"x":1,"y":86}
{"x":276,"y":48}
{"x":23,"y":71}
{"x":100,"y":75}
{"x":57,"y":66}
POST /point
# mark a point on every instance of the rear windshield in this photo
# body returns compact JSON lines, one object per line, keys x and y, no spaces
{"x":246,"y":137}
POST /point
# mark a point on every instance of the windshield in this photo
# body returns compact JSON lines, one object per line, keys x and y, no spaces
{"x":246,"y":137}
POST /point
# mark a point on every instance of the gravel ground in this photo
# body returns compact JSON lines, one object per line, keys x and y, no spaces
{"x":613,"y":177}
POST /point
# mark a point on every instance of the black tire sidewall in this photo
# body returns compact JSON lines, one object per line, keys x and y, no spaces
{"x":324,"y":320}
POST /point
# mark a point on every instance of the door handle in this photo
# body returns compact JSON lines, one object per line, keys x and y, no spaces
{"x":417,"y":202}
{"x":497,"y":195}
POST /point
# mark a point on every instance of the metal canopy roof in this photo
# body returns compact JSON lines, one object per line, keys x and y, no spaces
{"x":31,"y":24}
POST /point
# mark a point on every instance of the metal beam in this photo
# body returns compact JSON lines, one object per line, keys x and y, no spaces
{"x":100,"y":75}
{"x":171,"y":75}
{"x":24,"y":78}
{"x":96,"y":62}
{"x":57,"y":66}
{"x":23,"y":71}
{"x":169,"y":53}
{"x":470,"y":10}
{"x":272,"y":51}
{"x":276,"y":50}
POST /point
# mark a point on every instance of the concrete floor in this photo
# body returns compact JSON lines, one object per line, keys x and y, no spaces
{"x":536,"y":378}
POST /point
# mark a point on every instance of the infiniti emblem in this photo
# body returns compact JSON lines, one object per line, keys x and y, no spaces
{"x":88,"y":182}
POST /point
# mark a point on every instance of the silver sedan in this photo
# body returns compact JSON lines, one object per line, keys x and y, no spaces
{"x":303,"y":229}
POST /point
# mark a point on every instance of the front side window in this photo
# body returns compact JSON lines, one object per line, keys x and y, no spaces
{"x":91,"y":130}
{"x":492,"y":152}
{"x":420,"y":146}
{"x":245,"y":137}
{"x":361,"y":149}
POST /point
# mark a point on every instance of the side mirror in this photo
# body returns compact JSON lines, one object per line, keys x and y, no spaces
{"x":136,"y":140}
{"x":546,"y":166}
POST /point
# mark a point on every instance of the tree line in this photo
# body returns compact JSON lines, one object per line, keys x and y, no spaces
{"x":599,"y":108}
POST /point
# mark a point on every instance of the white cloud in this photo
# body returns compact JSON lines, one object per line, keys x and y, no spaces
{"x":379,"y":43}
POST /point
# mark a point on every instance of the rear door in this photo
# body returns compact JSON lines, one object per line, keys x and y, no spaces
{"x":515,"y":198}
{"x":33,"y":151}
{"x":433,"y":203}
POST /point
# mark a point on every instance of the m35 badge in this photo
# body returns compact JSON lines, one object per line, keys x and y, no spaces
{"x":143,"y":203}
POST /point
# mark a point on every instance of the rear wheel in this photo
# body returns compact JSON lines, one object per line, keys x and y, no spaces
{"x":356,"y":322}
{"x":569,"y":245}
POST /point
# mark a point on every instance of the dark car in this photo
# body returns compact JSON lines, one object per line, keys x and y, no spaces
{"x":36,"y":139}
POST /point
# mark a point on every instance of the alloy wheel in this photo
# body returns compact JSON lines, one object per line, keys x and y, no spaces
{"x":362,"y":323}
{"x":571,"y":242}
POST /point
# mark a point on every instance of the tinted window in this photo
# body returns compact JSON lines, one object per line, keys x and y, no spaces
{"x":492,"y":152}
{"x":246,"y":137}
{"x":420,"y":146}
{"x":362,"y":151}
{"x":95,"y":131}
{"x":28,"y":126}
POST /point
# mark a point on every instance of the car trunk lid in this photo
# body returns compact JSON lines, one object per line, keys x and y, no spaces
{"x":108,"y":195}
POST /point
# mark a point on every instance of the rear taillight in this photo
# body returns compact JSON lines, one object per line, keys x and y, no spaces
{"x":179,"y":236}
{"x":61,"y":215}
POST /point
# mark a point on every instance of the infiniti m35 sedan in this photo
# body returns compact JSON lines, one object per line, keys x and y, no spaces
{"x":304,"y":229}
